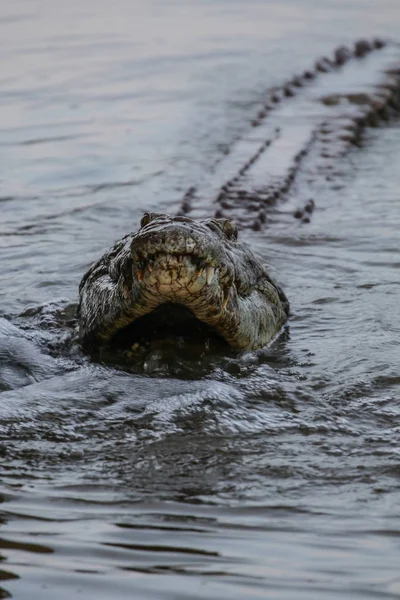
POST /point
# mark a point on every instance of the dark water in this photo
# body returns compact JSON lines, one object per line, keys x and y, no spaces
{"x":275,"y":475}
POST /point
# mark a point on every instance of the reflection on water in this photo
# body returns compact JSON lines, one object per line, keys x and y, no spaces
{"x":273,"y":474}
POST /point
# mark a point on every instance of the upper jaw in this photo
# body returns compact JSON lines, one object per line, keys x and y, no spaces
{"x":184,"y":263}
{"x":181,"y":256}
{"x":186,"y":279}
{"x":177,"y":238}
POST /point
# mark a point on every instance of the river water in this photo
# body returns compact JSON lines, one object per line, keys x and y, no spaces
{"x":272,"y":475}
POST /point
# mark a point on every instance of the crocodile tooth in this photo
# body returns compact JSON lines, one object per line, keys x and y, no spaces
{"x":209,"y":274}
{"x":225,"y":297}
{"x":200,"y":272}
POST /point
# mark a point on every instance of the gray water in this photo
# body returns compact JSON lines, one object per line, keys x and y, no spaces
{"x":272,"y":475}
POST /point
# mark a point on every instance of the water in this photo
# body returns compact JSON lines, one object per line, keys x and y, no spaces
{"x":275,"y":475}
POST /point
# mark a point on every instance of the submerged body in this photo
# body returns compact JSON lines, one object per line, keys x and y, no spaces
{"x":183,"y":271}
{"x":193,"y":276}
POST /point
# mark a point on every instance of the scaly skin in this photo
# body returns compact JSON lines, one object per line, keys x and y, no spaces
{"x":303,"y":127}
{"x":198,"y":265}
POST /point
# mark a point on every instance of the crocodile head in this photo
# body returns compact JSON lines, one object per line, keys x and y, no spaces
{"x":175,"y":273}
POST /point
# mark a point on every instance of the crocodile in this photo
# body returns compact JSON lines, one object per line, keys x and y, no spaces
{"x":277,"y":170}
{"x":178,"y":274}
{"x":185,"y":273}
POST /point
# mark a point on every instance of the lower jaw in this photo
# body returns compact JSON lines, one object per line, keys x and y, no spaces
{"x":170,"y":321}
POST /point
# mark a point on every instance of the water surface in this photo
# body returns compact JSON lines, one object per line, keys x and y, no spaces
{"x":272,"y":475}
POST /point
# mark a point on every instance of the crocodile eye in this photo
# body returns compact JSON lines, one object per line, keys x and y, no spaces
{"x":227,"y":227}
{"x":146,"y":219}
{"x":153,"y":216}
{"x":230,"y":230}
